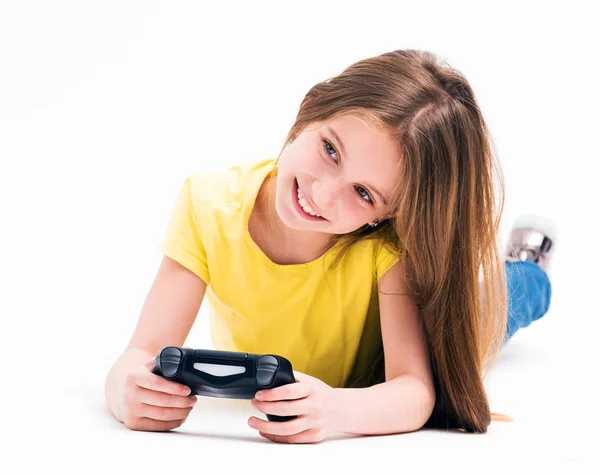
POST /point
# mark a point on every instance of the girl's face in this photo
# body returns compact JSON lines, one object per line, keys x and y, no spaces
{"x":346,"y":172}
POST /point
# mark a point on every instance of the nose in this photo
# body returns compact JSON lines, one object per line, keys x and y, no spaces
{"x":325,"y":191}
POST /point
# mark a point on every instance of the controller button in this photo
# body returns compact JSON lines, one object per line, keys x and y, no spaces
{"x":265,"y":369}
{"x":169,"y":361}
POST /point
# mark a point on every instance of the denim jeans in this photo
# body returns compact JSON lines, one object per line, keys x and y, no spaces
{"x":529,"y":292}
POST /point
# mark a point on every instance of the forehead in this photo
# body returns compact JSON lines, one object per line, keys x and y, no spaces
{"x":368,"y":153}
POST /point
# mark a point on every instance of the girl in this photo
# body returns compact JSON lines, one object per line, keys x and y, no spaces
{"x":356,"y":254}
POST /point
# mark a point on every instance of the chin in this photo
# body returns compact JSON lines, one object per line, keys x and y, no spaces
{"x":286,"y":216}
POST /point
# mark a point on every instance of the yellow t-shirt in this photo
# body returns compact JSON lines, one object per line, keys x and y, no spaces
{"x":316,"y":318}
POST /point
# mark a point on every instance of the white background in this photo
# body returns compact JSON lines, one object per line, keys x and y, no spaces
{"x":106,"y":107}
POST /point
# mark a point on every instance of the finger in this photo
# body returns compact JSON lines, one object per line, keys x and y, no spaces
{"x":307,"y":437}
{"x":295,"y":407}
{"x":155,"y":398}
{"x":298,"y":376}
{"x":295,"y":426}
{"x":160,"y":413}
{"x":157,"y":383}
{"x":287,"y":391}
{"x":146,"y":424}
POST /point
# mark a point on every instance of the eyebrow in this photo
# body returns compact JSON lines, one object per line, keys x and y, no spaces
{"x":341,"y":145}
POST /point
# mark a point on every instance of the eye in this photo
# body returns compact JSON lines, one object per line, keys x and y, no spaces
{"x":366,"y":195}
{"x":326,"y":146}
{"x":359,"y":189}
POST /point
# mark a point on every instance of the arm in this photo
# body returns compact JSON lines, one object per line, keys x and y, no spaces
{"x":166,"y":318}
{"x":403,"y":403}
{"x":406,"y":400}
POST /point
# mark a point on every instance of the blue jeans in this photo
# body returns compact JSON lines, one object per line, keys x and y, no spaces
{"x":529,"y":292}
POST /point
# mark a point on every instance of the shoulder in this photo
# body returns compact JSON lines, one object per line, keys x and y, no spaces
{"x":227,"y":186}
{"x":394,"y":280}
{"x":386,"y":258}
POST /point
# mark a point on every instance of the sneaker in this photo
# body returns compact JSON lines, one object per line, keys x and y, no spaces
{"x":532,"y":238}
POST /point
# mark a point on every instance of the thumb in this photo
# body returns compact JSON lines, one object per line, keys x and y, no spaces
{"x":300,"y":376}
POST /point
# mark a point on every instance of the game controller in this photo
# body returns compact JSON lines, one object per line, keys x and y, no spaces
{"x":226,"y":374}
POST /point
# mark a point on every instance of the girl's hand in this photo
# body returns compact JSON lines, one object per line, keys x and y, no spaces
{"x":149,"y":402}
{"x":312,"y":400}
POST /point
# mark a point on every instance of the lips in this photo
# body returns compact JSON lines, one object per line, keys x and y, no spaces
{"x":299,"y":208}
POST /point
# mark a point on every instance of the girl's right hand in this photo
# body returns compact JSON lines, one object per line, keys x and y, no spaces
{"x":149,"y":402}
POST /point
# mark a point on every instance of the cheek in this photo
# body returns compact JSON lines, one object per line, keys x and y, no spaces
{"x":309,"y":163}
{"x":307,"y":151}
{"x":355,"y":213}
{"x":303,"y":157}
{"x":302,"y":146}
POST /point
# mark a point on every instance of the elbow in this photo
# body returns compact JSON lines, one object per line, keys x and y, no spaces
{"x":424,"y":406}
{"x":418,"y":401}
{"x":428,"y":406}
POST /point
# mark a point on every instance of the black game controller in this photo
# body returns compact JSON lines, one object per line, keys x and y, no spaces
{"x":224,"y":374}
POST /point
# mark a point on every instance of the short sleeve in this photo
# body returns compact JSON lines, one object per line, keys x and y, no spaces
{"x":385,"y":259}
{"x":183,"y":240}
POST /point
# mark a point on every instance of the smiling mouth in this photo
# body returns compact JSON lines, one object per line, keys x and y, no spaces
{"x":299,"y":208}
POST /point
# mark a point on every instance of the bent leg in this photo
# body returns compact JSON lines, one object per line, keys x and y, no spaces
{"x":529,"y":291}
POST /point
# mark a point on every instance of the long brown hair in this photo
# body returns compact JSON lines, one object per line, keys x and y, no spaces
{"x":446,"y":216}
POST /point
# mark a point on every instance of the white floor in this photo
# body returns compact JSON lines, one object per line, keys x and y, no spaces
{"x":100,"y":124}
{"x":56,"y":421}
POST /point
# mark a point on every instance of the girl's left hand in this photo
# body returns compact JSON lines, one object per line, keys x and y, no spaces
{"x":312,"y":400}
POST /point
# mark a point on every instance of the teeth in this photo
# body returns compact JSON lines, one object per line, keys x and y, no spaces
{"x":305,"y":205}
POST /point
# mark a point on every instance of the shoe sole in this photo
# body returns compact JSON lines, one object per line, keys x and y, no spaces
{"x":540,"y":223}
